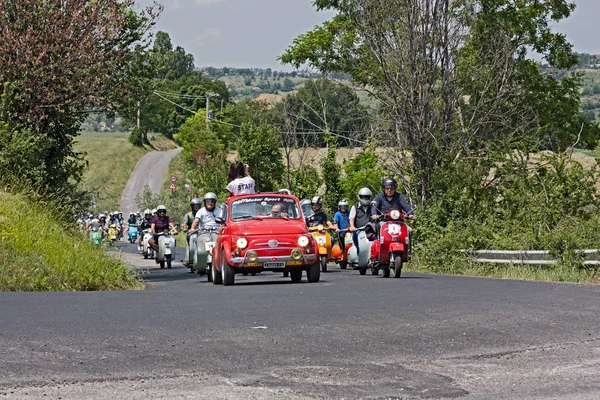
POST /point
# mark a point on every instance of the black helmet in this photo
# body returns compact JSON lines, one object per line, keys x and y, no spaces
{"x":389,"y":182}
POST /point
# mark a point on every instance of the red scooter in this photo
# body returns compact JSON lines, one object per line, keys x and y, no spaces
{"x":390,"y":249}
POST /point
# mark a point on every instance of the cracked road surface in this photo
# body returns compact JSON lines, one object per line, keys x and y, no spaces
{"x":348,"y":336}
{"x":151,"y":171}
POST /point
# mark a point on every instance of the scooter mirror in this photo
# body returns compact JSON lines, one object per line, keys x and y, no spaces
{"x":219,"y":220}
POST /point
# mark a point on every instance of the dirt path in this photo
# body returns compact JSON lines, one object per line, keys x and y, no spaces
{"x":150,"y":170}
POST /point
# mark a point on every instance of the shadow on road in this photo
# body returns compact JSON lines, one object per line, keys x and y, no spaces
{"x":156,"y":274}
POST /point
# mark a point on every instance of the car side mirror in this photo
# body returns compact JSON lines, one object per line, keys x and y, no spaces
{"x":219,"y":220}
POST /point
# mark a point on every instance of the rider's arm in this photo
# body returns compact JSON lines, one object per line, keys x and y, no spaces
{"x":351,"y":218}
{"x":375,"y":209}
{"x":152,"y":229}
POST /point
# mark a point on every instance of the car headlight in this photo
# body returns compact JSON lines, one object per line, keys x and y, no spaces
{"x":395,"y":214}
{"x":252,"y":256}
{"x":303,"y":241}
{"x":242,"y":243}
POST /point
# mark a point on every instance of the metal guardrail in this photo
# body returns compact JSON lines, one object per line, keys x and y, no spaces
{"x":535,"y":257}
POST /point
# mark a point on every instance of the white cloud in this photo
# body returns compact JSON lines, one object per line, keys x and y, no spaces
{"x":202,"y":3}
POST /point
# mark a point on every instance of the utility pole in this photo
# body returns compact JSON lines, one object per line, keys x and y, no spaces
{"x":207,"y":106}
{"x":208,"y":94}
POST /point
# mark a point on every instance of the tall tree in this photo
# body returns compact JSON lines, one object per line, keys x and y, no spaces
{"x":64,"y":58}
{"x":453,"y":77}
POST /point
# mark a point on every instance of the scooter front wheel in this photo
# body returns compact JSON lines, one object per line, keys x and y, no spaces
{"x":397,"y":266}
{"x":362,"y":270}
{"x":168,"y":259}
{"x":343,"y":264}
{"x":323,"y":261}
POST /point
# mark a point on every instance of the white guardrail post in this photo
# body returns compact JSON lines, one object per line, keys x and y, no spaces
{"x":535,"y":257}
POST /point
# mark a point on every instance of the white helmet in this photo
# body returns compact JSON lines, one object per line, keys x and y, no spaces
{"x":101,"y":216}
{"x":343,"y":203}
{"x":161,"y":208}
{"x":364,"y":196}
{"x":210,"y":196}
{"x":147,"y":211}
{"x":154,"y":211}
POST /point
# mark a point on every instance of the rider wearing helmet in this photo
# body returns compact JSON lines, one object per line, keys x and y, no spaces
{"x":318,"y":217}
{"x":160,"y":223}
{"x":341,"y":221}
{"x":391,"y":200}
{"x":132,"y":220}
{"x":145,"y":224}
{"x":205,"y":217}
{"x":360,"y":214}
{"x":188,"y":220}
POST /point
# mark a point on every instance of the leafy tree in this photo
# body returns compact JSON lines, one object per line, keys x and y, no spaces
{"x":288,"y":85}
{"x":305,"y":182}
{"x":331,"y":173}
{"x":74,"y":59}
{"x":258,"y":146}
{"x":323,"y":104}
{"x":446,"y":95}
{"x":363,"y":170}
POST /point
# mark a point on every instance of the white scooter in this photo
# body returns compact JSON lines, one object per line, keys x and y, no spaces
{"x":207,"y":239}
{"x":166,"y":249}
{"x":360,"y":261}
{"x":190,"y":250}
{"x":147,"y":250}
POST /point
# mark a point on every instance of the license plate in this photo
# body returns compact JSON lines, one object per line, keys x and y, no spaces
{"x":321,"y":240}
{"x":393,"y":229}
{"x":274,"y":265}
{"x":299,"y":262}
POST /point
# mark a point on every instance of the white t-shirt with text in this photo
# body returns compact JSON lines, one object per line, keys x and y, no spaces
{"x":240,"y":186}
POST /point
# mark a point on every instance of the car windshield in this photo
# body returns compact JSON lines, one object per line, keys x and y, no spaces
{"x":260,"y":207}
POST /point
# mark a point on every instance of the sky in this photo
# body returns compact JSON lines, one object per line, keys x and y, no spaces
{"x":253,"y":33}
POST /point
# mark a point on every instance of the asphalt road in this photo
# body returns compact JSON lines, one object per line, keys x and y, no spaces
{"x":348,"y":336}
{"x":150,"y":170}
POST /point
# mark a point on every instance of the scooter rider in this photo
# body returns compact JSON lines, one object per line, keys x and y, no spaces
{"x":145,"y":224}
{"x":360,"y":214}
{"x":319,"y":217}
{"x":391,"y":200}
{"x":188,"y":220}
{"x":160,"y":223}
{"x":205,"y":217}
{"x":341,"y":221}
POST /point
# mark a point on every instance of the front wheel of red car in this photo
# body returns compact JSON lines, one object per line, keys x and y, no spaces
{"x":228,"y":275}
{"x":313,"y":273}
{"x":216,"y":275}
{"x":296,"y":275}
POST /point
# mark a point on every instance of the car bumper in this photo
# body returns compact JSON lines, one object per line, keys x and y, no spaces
{"x":243,"y":262}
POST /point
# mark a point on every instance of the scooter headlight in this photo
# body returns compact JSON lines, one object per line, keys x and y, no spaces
{"x":303,"y":241}
{"x":242,"y":243}
{"x":395,"y":214}
{"x":252,"y":256}
{"x":320,"y":228}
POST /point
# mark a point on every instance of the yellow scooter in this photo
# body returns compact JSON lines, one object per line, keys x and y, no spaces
{"x":113,"y":234}
{"x":323,"y":239}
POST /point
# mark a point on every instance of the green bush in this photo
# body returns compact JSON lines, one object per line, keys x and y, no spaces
{"x":52,"y":257}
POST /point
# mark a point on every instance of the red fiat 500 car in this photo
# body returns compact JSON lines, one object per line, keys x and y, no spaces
{"x":264,"y":232}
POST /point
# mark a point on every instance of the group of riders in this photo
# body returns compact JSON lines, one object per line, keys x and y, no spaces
{"x":204,"y":211}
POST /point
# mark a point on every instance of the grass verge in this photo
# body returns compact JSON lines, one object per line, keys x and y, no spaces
{"x":51,"y":258}
{"x":111,"y":160}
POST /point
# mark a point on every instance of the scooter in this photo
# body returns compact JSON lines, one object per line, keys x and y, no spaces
{"x":360,"y":261}
{"x":319,"y":233}
{"x":166,"y":249}
{"x":147,"y":250}
{"x":340,"y":250}
{"x":390,"y":249}
{"x":203,"y":258}
{"x":132,"y":233}
{"x":113,"y":234}
{"x":96,"y":236}
{"x":190,"y":249}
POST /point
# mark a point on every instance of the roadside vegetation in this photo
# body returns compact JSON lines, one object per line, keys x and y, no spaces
{"x":480,"y":136}
{"x":52,"y":257}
